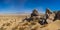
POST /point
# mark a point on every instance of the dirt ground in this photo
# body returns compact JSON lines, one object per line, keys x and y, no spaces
{"x":11,"y":22}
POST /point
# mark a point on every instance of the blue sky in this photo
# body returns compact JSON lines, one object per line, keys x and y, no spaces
{"x":26,"y":6}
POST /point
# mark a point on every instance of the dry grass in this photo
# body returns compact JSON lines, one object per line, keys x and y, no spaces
{"x":15,"y":23}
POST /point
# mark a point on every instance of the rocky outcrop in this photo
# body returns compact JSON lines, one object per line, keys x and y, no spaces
{"x":34,"y":13}
{"x":57,"y":15}
{"x":35,"y":17}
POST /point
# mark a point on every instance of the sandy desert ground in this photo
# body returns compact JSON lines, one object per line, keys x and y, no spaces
{"x":14,"y":22}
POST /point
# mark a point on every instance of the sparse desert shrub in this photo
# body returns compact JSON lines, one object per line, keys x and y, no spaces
{"x":2,"y":28}
{"x":21,"y":28}
{"x":6,"y":24}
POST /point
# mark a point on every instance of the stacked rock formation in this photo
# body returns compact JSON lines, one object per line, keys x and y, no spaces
{"x":57,"y":15}
{"x":35,"y":15}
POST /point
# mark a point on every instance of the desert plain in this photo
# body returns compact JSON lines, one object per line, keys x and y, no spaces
{"x":14,"y":22}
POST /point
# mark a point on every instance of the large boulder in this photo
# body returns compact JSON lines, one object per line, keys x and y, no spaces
{"x":34,"y":13}
{"x":47,"y":13}
{"x":50,"y":16}
{"x":34,"y":16}
{"x":57,"y":16}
